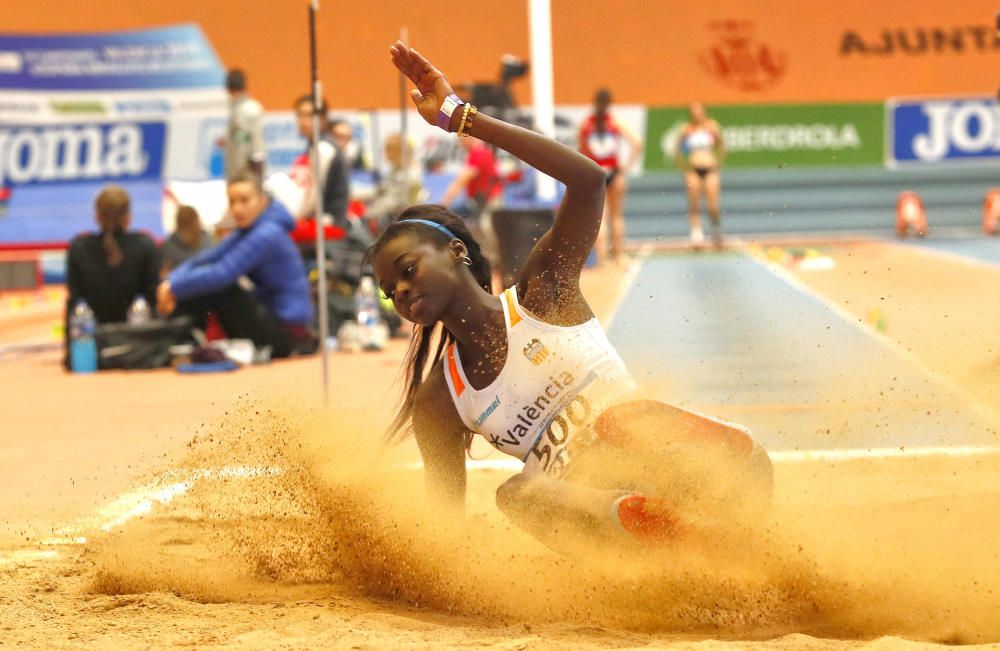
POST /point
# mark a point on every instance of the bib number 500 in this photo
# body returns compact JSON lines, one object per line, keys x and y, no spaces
{"x":551,"y":451}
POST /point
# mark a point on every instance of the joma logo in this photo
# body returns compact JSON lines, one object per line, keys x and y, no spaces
{"x":62,"y":153}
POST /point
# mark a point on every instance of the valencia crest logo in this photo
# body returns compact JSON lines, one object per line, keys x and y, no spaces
{"x":536,"y":352}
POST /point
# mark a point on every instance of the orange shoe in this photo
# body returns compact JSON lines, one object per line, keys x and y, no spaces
{"x":649,"y":520}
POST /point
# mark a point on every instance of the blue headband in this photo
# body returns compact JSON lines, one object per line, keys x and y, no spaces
{"x":427,"y":222}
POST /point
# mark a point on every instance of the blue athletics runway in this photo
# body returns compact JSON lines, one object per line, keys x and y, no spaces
{"x":729,"y":335}
{"x":976,"y":250}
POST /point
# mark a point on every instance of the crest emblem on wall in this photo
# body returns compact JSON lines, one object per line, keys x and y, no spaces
{"x":737,"y":58}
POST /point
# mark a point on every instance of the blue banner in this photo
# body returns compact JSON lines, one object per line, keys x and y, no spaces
{"x":57,"y":153}
{"x":169,"y":57}
{"x":52,"y":214}
{"x":943,"y":130}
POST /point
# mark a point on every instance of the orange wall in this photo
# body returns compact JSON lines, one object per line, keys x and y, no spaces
{"x":647,"y":51}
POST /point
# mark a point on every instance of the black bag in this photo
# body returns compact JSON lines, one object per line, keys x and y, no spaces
{"x":140,"y":345}
{"x":339,"y":307}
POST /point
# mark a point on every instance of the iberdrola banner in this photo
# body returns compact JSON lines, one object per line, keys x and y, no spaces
{"x":778,"y":135}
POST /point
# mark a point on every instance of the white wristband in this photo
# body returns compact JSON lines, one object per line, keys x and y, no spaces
{"x":448,"y":107}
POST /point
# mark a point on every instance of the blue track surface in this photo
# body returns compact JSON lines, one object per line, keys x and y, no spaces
{"x":723,"y":334}
{"x":984,"y":249}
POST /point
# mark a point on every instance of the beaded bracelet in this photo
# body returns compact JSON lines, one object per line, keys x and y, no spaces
{"x":465,"y":115}
{"x":465,"y":128}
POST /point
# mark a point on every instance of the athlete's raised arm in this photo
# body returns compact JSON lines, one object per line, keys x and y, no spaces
{"x":577,"y":221}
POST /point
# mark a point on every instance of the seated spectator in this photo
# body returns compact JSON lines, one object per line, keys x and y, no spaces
{"x":111,"y":268}
{"x":278,"y":311}
{"x":401,"y":188}
{"x":188,"y":239}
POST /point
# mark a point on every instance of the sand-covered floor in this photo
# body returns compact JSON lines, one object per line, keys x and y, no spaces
{"x":158,"y":511}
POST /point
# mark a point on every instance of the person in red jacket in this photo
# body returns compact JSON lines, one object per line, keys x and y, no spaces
{"x":601,"y":137}
{"x":483,"y":190}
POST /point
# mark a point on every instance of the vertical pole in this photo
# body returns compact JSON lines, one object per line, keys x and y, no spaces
{"x":317,"y":91}
{"x":404,"y":137}
{"x":540,"y":22}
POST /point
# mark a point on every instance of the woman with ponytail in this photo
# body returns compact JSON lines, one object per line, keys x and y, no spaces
{"x":110,"y":268}
{"x":531,"y":370}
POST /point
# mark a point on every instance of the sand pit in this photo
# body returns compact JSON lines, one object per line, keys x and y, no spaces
{"x":333,"y":546}
{"x":285,"y":527}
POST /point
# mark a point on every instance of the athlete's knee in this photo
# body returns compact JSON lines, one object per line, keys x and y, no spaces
{"x":739,"y":433}
{"x":733,"y":436}
{"x":739,"y":439}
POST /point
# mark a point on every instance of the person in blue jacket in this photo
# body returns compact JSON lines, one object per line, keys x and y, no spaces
{"x":278,"y":311}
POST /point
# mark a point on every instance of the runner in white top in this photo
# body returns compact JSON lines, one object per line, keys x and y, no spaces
{"x":530,"y":370}
{"x":699,"y":153}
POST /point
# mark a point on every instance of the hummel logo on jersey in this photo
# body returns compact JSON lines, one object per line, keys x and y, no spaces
{"x":487,"y":412}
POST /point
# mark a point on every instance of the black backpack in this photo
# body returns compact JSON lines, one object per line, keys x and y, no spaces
{"x":140,"y":345}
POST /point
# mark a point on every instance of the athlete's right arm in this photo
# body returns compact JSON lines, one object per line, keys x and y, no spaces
{"x":441,"y":438}
{"x":578,"y":217}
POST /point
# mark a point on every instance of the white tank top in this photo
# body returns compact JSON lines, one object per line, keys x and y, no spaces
{"x":554,"y":384}
{"x":700,"y":138}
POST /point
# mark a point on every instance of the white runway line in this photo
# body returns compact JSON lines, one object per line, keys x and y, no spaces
{"x":27,"y":556}
{"x":988,"y":414}
{"x":142,"y":500}
{"x":850,"y":454}
{"x":628,"y":280}
{"x":787,"y":456}
{"x":136,"y":503}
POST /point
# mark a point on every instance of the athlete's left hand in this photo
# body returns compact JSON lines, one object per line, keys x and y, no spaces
{"x":431,"y":86}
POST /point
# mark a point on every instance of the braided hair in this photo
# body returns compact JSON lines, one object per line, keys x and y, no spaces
{"x":418,"y":356}
{"x":113,"y":209}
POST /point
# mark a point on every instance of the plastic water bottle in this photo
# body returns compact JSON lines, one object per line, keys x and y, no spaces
{"x":217,"y":162}
{"x":139,"y":311}
{"x":372,"y":331}
{"x":82,"y":346}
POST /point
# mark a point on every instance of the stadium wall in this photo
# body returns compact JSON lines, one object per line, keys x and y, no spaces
{"x":654,"y":53}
